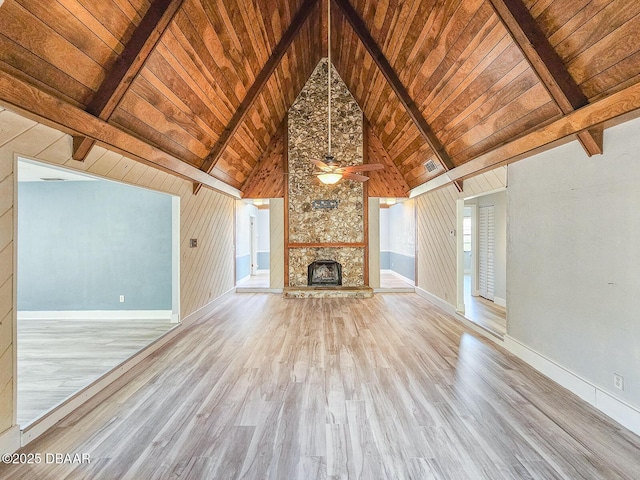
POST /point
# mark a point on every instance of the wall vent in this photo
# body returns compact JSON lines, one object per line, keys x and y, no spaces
{"x":430,"y":165}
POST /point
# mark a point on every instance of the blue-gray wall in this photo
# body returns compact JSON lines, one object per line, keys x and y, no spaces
{"x":385,"y":260}
{"x":264,"y":260}
{"x":243,"y":264}
{"x":83,"y":244}
{"x":405,"y":265}
{"x":243,"y":267}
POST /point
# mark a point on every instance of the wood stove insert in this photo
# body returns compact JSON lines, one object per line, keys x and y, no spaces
{"x":324,"y":273}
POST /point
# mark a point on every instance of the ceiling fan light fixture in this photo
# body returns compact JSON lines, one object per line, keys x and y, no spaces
{"x":330,"y":178}
{"x":330,"y":160}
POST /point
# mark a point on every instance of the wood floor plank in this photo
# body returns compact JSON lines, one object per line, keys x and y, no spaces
{"x":381,"y":388}
{"x":56,"y":358}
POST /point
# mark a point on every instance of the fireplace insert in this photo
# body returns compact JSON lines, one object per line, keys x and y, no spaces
{"x":324,"y":273}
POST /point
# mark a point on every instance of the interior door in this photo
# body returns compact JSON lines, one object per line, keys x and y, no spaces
{"x":486,"y":245}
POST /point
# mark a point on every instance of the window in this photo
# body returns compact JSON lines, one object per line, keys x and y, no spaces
{"x":466,"y":233}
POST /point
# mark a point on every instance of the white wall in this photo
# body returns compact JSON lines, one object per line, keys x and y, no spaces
{"x":263,"y":230}
{"x":385,"y":245}
{"x":244,"y":212}
{"x":402,"y":228}
{"x":574,"y":259}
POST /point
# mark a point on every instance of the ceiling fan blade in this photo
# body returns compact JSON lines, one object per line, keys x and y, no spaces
{"x":363,"y":168}
{"x":353,"y":176}
{"x":320,"y":164}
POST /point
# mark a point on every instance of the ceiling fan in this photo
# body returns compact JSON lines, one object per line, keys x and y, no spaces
{"x":330,"y":172}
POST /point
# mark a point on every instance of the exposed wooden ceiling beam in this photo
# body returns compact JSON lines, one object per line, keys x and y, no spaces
{"x":360,"y":28}
{"x":127,"y":66}
{"x":623,"y":103}
{"x":547,"y":64}
{"x":254,"y":91}
{"x":41,"y":106}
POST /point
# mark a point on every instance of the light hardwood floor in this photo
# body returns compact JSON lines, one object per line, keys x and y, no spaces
{"x":56,"y":358}
{"x":389,"y":280}
{"x":260,"y":280}
{"x":484,"y":312}
{"x":383,"y":388}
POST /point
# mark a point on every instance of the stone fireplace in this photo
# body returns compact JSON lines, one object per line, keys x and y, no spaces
{"x":324,"y":273}
{"x":316,"y":233}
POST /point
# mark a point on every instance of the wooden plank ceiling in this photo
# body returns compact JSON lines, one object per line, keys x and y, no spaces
{"x":208,"y":83}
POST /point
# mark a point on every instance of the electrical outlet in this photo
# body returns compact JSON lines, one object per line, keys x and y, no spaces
{"x":618,"y":381}
{"x":121,"y":298}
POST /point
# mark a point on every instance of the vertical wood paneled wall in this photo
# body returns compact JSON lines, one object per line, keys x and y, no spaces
{"x":436,"y":217}
{"x":206,"y":272}
{"x":7,"y":313}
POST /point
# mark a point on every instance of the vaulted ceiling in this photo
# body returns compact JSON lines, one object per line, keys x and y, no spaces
{"x":202,"y":87}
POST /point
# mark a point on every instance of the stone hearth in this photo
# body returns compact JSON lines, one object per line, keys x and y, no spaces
{"x":327,"y":292}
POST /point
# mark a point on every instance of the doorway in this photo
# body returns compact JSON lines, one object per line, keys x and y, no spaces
{"x":252,"y":245}
{"x":482,"y":269}
{"x":97,"y":279}
{"x":397,"y":245}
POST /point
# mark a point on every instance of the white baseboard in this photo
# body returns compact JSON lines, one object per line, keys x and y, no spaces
{"x":208,"y":308}
{"x":619,"y":410}
{"x":96,"y":315}
{"x":437,"y":301}
{"x":10,"y":440}
{"x":49,"y":419}
{"x":500,"y":301}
